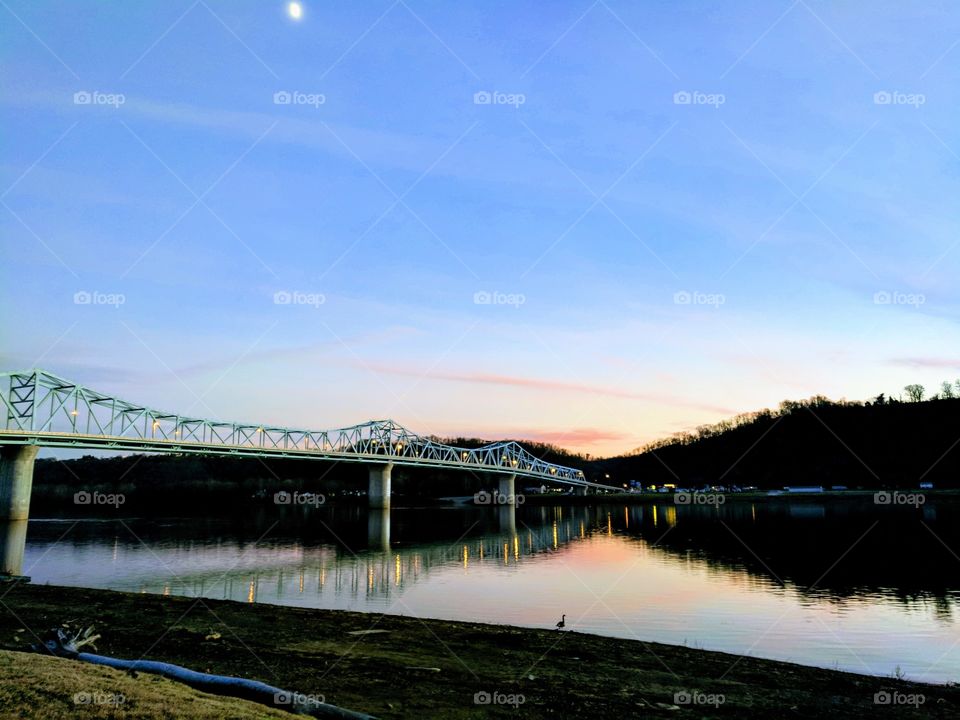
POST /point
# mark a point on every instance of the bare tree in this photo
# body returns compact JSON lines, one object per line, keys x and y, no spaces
{"x":914,"y":392}
{"x":946,"y":390}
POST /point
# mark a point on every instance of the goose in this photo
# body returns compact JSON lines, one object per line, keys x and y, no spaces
{"x":562,"y":623}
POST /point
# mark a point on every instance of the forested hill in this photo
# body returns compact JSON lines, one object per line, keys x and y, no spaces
{"x":881,"y":443}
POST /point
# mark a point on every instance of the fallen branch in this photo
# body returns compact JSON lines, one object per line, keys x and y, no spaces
{"x":66,"y":645}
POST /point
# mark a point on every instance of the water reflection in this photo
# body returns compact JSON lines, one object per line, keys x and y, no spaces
{"x":835,"y":584}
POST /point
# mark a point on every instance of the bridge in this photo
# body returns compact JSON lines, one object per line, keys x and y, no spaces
{"x":44,"y":410}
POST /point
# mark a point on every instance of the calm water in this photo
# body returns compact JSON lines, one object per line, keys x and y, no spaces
{"x":839,"y":584}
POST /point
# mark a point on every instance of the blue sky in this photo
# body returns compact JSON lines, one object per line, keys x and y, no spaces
{"x":650,"y":264}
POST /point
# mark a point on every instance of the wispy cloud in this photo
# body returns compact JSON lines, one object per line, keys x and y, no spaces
{"x":552,"y":386}
{"x":928,"y":362}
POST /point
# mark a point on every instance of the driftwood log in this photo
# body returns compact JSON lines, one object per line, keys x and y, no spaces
{"x":65,"y":644}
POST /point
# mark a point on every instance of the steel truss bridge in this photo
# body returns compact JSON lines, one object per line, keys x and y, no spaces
{"x":44,"y":410}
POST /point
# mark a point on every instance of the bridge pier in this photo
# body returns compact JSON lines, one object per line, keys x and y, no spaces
{"x":13,"y":542}
{"x":16,"y":480}
{"x":582,"y":490}
{"x":508,"y":489}
{"x":378,"y":494}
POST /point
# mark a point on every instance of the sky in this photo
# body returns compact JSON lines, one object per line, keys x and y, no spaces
{"x":591,"y":224}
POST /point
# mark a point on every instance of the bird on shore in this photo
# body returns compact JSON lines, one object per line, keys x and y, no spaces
{"x":562,"y":623}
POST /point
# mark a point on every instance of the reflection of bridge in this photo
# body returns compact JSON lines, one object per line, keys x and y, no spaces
{"x":43,"y":410}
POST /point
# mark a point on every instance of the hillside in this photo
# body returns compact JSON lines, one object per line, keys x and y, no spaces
{"x":882,"y":443}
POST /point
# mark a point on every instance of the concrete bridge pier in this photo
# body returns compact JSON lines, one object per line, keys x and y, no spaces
{"x":582,"y":490}
{"x":16,"y":480}
{"x":13,"y":542}
{"x":378,"y":495}
{"x":508,"y":490}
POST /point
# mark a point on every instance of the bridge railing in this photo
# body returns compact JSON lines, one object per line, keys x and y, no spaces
{"x":39,"y":404}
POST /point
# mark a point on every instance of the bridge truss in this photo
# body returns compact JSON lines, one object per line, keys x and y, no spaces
{"x":46,"y":410}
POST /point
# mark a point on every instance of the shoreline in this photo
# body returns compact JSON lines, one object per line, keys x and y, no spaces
{"x":395,"y":666}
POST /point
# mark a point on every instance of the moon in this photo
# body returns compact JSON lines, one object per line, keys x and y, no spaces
{"x":295,"y":10}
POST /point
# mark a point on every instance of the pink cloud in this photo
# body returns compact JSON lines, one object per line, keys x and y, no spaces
{"x":553,"y":386}
{"x":579,"y":438}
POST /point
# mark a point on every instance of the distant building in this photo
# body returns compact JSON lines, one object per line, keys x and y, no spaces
{"x":804,"y":489}
{"x":926,"y":486}
{"x":838,"y":487}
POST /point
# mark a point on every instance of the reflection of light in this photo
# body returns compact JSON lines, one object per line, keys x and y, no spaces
{"x":654,"y":515}
{"x":252,"y":593}
{"x":516,"y":547}
{"x":626,"y":516}
{"x":609,"y":525}
{"x":555,"y":542}
{"x":466,"y":556}
{"x":398,"y":570}
{"x":301,"y":581}
{"x":506,"y":554}
{"x":583,"y":532}
{"x":670,"y":515}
